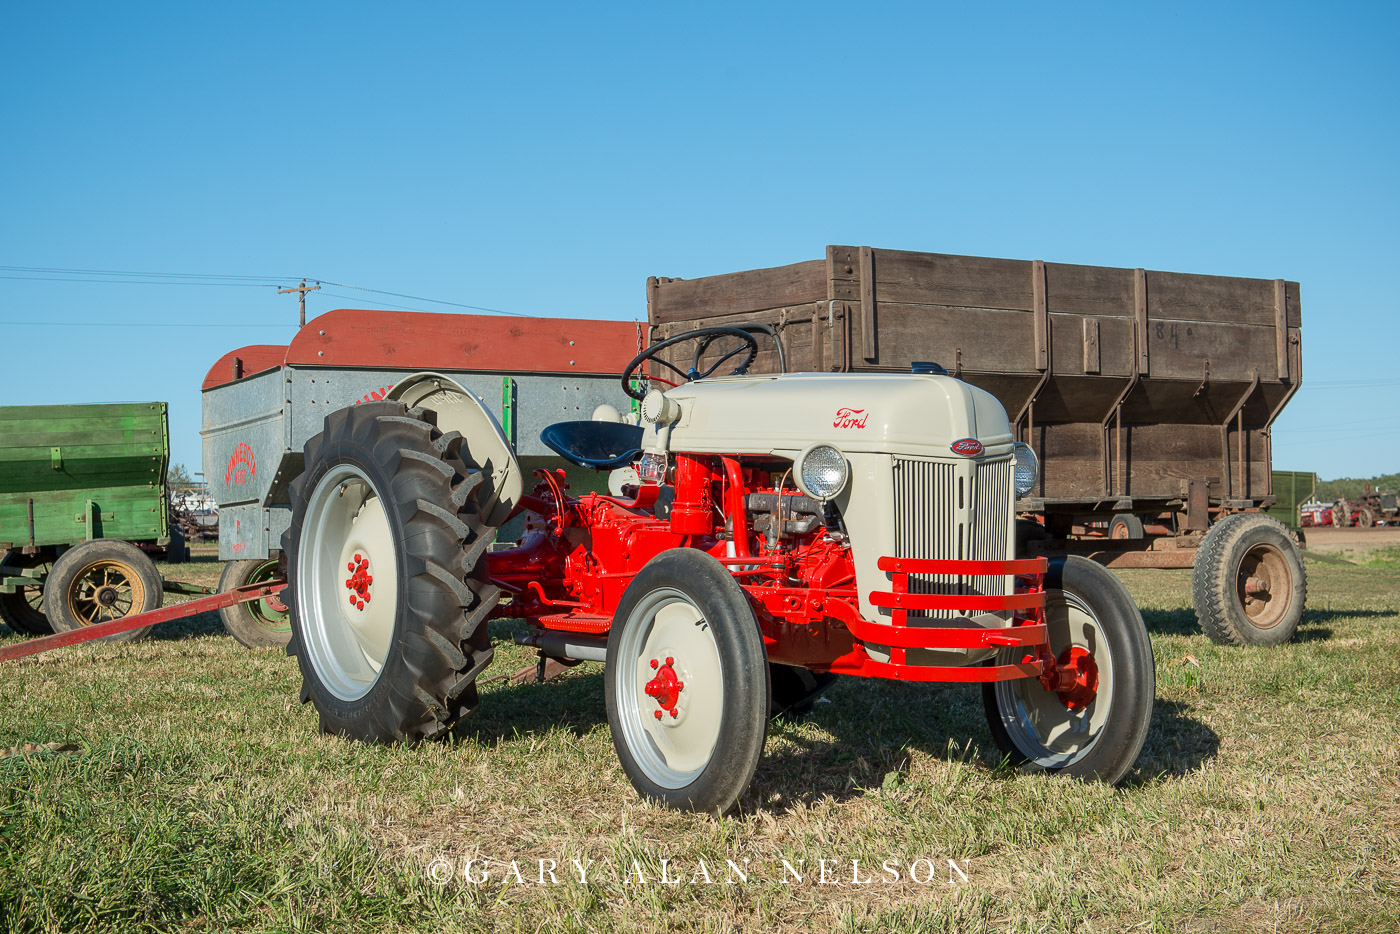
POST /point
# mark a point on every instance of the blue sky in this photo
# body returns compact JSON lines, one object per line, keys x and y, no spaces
{"x":545,"y":159}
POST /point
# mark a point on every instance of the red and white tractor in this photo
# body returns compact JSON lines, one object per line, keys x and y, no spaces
{"x":763,"y":535}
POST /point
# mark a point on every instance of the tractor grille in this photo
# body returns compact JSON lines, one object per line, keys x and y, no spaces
{"x":945,"y":512}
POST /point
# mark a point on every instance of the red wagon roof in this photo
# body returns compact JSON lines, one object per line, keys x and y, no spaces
{"x":411,"y":340}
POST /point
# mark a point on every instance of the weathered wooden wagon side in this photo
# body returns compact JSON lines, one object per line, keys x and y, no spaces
{"x":1147,"y":396}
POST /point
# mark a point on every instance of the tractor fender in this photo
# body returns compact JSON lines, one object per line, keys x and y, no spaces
{"x":459,"y":409}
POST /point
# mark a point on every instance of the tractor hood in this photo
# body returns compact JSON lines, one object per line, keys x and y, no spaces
{"x":914,"y":415}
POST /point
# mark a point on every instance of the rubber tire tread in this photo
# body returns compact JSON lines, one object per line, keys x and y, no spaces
{"x":428,"y":486}
{"x":744,"y":715}
{"x":1222,"y":618}
{"x":239,"y":619}
{"x":1134,"y":673}
{"x":71,"y":562}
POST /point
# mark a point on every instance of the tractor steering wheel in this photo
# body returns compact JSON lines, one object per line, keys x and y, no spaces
{"x":705,"y":336}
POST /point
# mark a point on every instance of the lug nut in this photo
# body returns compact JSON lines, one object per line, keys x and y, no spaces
{"x":658,"y":715}
{"x":670,"y":660}
{"x":653,"y":663}
{"x":674,"y":713}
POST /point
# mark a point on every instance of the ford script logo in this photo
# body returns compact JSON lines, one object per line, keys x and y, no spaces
{"x":967,"y":447}
{"x":850,"y":418}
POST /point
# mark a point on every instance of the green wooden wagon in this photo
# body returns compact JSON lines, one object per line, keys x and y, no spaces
{"x":82,"y":500}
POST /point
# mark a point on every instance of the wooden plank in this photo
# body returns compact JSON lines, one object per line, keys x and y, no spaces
{"x":1041,"y":321}
{"x":1089,"y":290}
{"x":868,"y":345}
{"x":1189,"y":297}
{"x":738,"y":292}
{"x":1281,"y":326}
{"x":944,"y":279}
{"x":1091,"y":345}
{"x":1140,"y":316}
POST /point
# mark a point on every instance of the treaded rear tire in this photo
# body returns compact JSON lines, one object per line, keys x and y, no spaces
{"x":1216,"y":581}
{"x":427,"y":485}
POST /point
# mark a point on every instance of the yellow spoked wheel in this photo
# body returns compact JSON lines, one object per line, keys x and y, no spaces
{"x":99,"y":581}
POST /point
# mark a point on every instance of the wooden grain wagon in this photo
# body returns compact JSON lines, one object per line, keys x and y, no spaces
{"x":82,"y":501}
{"x":1148,"y":396}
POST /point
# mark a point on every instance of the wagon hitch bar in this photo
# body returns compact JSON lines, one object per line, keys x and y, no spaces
{"x":58,"y":640}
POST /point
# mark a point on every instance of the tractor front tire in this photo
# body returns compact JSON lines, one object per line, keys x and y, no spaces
{"x":1099,"y":734}
{"x":1248,"y":582}
{"x":101,"y":580}
{"x":686,"y":684}
{"x":388,"y":588}
{"x":258,"y":624}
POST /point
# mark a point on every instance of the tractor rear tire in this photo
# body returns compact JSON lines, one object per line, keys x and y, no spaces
{"x":1341,"y":514}
{"x":386,"y":495}
{"x":1125,"y":526}
{"x":1248,"y":582}
{"x":1089,"y":609}
{"x":686,"y":684}
{"x":258,"y":624}
{"x":101,"y":580}
{"x":23,"y":610}
{"x":793,"y":690}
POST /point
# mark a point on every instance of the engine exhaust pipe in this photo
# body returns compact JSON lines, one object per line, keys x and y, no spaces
{"x":565,"y":645}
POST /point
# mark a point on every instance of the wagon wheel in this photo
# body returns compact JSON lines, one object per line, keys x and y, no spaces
{"x":23,"y":610}
{"x":100,"y":581}
{"x":1248,"y":582}
{"x":1124,"y":527}
{"x":261,"y":623}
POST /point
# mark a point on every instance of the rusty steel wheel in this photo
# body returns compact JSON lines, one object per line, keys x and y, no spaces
{"x":1248,"y":582}
{"x":1365,"y":519}
{"x":99,"y":581}
{"x":1341,"y":514}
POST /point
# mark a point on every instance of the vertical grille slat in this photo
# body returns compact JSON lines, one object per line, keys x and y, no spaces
{"x":930,"y":524}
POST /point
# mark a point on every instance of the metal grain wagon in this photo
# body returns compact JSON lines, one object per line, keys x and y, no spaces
{"x":1147,"y":396}
{"x":261,"y":404}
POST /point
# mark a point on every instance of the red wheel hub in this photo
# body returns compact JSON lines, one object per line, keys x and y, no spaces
{"x":1073,"y":677}
{"x":359,"y":581}
{"x":666,"y":687}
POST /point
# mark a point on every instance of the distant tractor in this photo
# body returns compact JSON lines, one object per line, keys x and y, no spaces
{"x":1372,"y":509}
{"x":764,"y":534}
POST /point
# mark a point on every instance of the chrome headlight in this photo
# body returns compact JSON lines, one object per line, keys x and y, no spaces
{"x":821,"y":471}
{"x":1027,"y":468}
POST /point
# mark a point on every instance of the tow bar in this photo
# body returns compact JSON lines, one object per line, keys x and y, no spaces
{"x":164,"y":614}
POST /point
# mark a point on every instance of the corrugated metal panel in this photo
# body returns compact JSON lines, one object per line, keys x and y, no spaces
{"x":949,"y":510}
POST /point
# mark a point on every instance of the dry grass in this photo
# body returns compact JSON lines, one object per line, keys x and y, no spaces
{"x":1266,"y":800}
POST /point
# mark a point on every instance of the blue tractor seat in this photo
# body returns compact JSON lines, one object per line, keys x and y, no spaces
{"x":600,"y":445}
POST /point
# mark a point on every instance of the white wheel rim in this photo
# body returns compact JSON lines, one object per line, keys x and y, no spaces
{"x":345,"y":538}
{"x":1040,"y":725}
{"x":671,"y":750}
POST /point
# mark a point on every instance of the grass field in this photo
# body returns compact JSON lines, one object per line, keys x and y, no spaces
{"x":200,"y":796}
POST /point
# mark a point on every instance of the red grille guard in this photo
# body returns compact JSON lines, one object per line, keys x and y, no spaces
{"x":1027,"y":628}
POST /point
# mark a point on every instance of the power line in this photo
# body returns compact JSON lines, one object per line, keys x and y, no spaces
{"x":249,"y":285}
{"x":419,"y":298}
{"x":125,"y":272}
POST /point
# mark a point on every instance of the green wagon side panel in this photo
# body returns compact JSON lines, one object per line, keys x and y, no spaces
{"x":1292,"y":488}
{"x":60,"y":457}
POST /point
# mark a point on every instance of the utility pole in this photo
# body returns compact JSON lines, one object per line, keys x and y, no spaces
{"x":301,"y":297}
